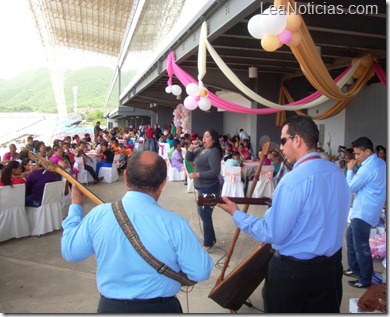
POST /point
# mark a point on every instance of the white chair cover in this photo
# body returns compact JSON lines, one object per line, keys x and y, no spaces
{"x":190,"y":182}
{"x":163,"y":149}
{"x":232,"y":185}
{"x":110,"y":174}
{"x":139,"y":145}
{"x":173,"y":174}
{"x":47,"y":217}
{"x":265,"y":186}
{"x":13,"y":217}
{"x":82,"y":175}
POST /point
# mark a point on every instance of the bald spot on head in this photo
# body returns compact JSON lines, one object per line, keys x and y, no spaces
{"x":146,"y":171}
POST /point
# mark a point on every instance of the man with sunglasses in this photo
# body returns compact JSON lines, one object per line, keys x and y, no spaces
{"x":369,"y":187}
{"x":305,"y":226}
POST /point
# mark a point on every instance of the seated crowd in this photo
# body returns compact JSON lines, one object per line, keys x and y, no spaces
{"x":17,"y":168}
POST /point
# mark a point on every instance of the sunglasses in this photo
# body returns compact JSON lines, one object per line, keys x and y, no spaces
{"x":284,"y":140}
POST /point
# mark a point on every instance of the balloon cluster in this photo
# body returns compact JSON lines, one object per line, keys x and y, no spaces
{"x":181,"y":118}
{"x":365,"y":63}
{"x":275,"y":27}
{"x":174,"y":89}
{"x":197,"y":96}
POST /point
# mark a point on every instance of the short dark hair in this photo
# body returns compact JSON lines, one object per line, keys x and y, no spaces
{"x":176,"y":142}
{"x":363,"y":143}
{"x":379,"y":148}
{"x":305,"y":127}
{"x":143,"y":176}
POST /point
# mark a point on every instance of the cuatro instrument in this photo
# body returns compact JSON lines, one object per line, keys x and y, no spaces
{"x":234,"y":290}
{"x":51,"y":166}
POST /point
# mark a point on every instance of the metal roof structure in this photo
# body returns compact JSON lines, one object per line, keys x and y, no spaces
{"x":101,"y":26}
{"x":340,"y":37}
{"x":117,"y":27}
{"x":107,"y":27}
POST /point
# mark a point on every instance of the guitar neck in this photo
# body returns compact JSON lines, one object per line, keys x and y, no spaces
{"x":56,"y":168}
{"x":249,"y":201}
{"x":211,"y":200}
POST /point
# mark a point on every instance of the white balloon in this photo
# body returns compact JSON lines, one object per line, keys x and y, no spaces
{"x":168,"y":89}
{"x":192,"y":89}
{"x":254,"y":27}
{"x":204,"y":104}
{"x":273,"y":21}
{"x":176,"y":90}
{"x":190,"y":103}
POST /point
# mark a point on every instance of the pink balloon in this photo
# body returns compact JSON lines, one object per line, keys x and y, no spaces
{"x":190,"y":103}
{"x":285,"y":36}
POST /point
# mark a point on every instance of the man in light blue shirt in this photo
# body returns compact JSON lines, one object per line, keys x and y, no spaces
{"x":126,"y":282}
{"x":369,"y":186}
{"x":305,"y":226}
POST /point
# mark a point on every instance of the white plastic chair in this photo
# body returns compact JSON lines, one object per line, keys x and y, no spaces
{"x":265,"y":186}
{"x":190,"y":182}
{"x":13,"y":217}
{"x":110,"y":174}
{"x":232,"y":185}
{"x":163,"y":149}
{"x":173,"y":174}
{"x":47,"y":217}
{"x":82,"y":174}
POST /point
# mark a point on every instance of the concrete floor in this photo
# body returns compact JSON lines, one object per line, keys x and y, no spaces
{"x":35,"y":279}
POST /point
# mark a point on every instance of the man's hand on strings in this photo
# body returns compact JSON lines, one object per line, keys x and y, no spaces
{"x":229,"y":206}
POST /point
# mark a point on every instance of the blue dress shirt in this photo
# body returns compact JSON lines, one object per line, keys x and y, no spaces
{"x":309,"y":211}
{"x":121,"y":272}
{"x":369,"y":186}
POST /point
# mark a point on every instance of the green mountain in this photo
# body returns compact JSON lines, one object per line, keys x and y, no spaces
{"x":32,"y":91}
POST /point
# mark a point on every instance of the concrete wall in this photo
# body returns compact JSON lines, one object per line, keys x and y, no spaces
{"x":367,"y":116}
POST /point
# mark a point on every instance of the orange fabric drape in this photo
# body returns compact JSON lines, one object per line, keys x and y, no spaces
{"x":314,"y":68}
{"x":317,"y":74}
{"x":340,"y":105}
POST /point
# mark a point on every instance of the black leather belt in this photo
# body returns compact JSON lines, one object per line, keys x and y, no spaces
{"x":317,"y":259}
{"x":148,"y":300}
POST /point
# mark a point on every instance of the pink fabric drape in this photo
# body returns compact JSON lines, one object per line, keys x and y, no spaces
{"x":185,"y":79}
{"x":380,"y":73}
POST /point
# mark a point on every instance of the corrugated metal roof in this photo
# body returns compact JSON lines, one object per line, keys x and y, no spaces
{"x":101,"y":25}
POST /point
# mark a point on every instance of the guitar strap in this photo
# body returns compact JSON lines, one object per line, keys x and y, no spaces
{"x":135,"y":241}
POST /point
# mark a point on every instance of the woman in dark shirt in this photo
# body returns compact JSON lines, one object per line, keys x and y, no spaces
{"x":207,"y":160}
{"x":107,"y":157}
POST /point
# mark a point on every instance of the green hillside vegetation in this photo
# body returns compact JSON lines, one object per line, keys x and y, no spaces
{"x":32,"y":91}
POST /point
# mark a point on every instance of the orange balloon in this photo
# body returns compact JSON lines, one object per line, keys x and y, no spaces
{"x":203,"y":93}
{"x":295,"y":40}
{"x":294,"y":22}
{"x":270,"y":43}
{"x":278,"y":3}
{"x":366,"y":61}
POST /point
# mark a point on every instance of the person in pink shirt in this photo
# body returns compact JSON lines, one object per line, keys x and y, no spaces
{"x":12,"y":155}
{"x":243,"y":152}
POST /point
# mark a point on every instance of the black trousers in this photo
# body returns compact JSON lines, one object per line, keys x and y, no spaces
{"x":169,"y":305}
{"x":91,"y":171}
{"x":303,"y":286}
